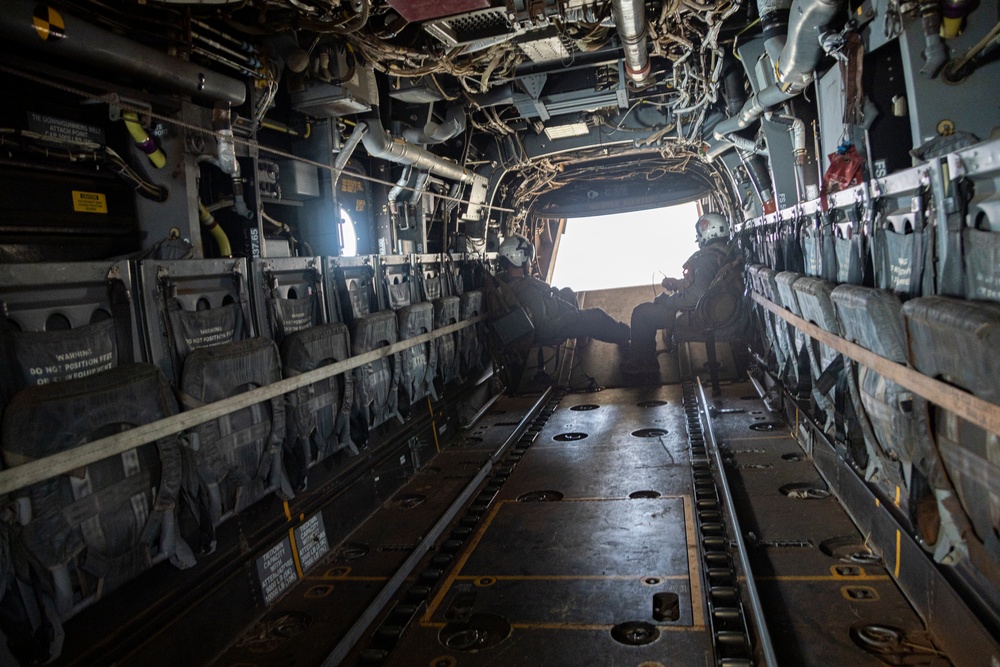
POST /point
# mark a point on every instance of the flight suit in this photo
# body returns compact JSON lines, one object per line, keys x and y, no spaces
{"x":661,"y":313}
{"x":556,"y":317}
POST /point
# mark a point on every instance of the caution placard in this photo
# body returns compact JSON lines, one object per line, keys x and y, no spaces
{"x":89,"y":202}
{"x":48,"y":23}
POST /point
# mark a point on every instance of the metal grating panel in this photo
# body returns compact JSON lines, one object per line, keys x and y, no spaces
{"x":416,"y":11}
{"x":484,"y":27}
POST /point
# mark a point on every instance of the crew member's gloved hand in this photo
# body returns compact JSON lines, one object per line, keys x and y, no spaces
{"x":670,"y":284}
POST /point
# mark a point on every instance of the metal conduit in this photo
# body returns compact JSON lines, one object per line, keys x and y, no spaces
{"x":73,"y":39}
{"x":795,"y":66}
{"x":630,"y":19}
{"x":380,"y":145}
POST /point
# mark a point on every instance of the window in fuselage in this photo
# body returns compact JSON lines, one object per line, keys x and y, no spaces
{"x":627,"y":249}
{"x":348,"y":235}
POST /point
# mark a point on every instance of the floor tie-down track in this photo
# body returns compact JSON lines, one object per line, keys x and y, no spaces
{"x":600,"y":536}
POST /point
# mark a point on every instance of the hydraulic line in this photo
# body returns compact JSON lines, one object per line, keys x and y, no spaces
{"x":143,"y":141}
{"x":209,"y":222}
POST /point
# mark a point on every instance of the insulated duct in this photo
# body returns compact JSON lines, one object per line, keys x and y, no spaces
{"x":380,"y":145}
{"x":84,"y":44}
{"x":774,"y":21}
{"x":630,"y":19}
{"x":795,"y":66}
{"x":438,"y":133}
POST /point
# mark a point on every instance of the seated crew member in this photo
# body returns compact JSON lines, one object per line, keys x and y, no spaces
{"x":553,"y":313}
{"x":712,"y":234}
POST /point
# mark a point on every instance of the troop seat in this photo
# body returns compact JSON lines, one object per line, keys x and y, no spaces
{"x":81,"y":535}
{"x":754,"y":278}
{"x":235,"y":460}
{"x":720,"y":315}
{"x":769,"y":283}
{"x":898,"y":444}
{"x":376,"y":384}
{"x":785,"y":296}
{"x":319,"y":414}
{"x":779,"y":284}
{"x":417,"y":364}
{"x":446,"y":313}
{"x":288,"y":295}
{"x":65,"y":321}
{"x":193,"y":304}
{"x":826,"y":366}
{"x":957,"y":341}
{"x":471,"y":341}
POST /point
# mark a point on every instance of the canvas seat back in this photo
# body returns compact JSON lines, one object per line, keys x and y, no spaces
{"x":318,"y":415}
{"x":288,"y":295}
{"x":446,"y":313}
{"x":64,"y":322}
{"x":417,"y":364}
{"x":193,"y":304}
{"x":471,"y":341}
{"x":81,"y":535}
{"x":350,"y":287}
{"x":376,"y":384}
{"x":235,"y":460}
{"x":957,"y":341}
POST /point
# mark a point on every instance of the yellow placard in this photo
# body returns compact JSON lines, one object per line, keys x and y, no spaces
{"x":89,"y":202}
{"x":48,"y":23}
{"x":351,"y":186}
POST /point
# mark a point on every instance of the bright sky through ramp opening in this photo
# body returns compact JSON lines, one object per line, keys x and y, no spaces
{"x":627,"y":249}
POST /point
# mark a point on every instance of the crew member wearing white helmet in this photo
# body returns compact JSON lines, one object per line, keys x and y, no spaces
{"x":553,"y":313}
{"x":712,"y":234}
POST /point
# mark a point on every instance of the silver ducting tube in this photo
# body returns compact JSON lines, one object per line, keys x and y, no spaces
{"x":438,"y":133}
{"x":795,"y":66}
{"x":84,"y":44}
{"x":380,"y":145}
{"x":347,"y":151}
{"x":720,"y":146}
{"x":630,"y":19}
{"x":397,"y":189}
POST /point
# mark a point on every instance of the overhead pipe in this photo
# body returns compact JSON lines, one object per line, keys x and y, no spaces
{"x":797,"y":129}
{"x":397,"y":189}
{"x":719,"y":146}
{"x":795,"y":66}
{"x":226,"y":159}
{"x":357,"y":134}
{"x":630,"y":20}
{"x":774,"y":22}
{"x":85,"y":44}
{"x":438,"y":133}
{"x":380,"y":145}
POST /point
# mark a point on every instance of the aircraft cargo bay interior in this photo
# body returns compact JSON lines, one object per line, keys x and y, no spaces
{"x":305,"y":360}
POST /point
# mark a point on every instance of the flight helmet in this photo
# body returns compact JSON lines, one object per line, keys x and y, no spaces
{"x":711,"y":226}
{"x":517,"y":250}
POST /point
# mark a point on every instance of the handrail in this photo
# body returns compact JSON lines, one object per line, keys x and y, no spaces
{"x":968,"y":406}
{"x":78,"y":457}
